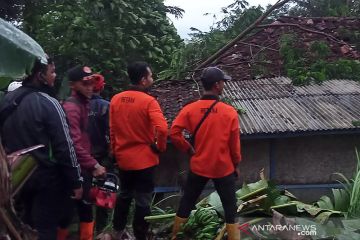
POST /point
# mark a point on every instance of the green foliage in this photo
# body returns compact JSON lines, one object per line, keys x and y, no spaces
{"x":319,"y":49}
{"x":344,"y":69}
{"x":304,"y":67}
{"x":202,"y":224}
{"x":335,"y":218}
{"x":354,"y":206}
{"x":104,"y":34}
{"x":238,"y":16}
{"x":231,"y":102}
{"x":177,"y":65}
{"x":341,"y":199}
{"x":176,"y":11}
{"x":203,"y":44}
{"x":291,"y":54}
{"x":10,"y":10}
{"x":322,"y":8}
{"x":353,"y":37}
{"x":348,"y":198}
{"x":356,"y":123}
{"x":252,"y":189}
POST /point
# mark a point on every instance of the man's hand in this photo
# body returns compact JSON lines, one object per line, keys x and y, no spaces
{"x":191,"y":151}
{"x":237,"y":172}
{"x":77,"y":193}
{"x":99,"y":171}
{"x":155,"y":148}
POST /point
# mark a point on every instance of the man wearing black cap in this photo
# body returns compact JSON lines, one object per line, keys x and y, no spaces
{"x":76,"y":108}
{"x":214,"y":149}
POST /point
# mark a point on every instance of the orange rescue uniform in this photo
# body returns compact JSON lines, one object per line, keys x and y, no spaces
{"x":136,"y":120}
{"x":217,"y":142}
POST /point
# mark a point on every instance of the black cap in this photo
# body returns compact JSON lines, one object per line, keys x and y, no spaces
{"x":213,"y":74}
{"x":79,"y":73}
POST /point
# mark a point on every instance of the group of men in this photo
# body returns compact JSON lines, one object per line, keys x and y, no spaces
{"x":80,"y":135}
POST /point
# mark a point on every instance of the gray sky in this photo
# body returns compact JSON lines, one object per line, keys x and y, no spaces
{"x":195,"y":10}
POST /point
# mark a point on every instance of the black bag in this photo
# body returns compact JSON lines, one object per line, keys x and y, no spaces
{"x":153,"y":145}
{"x":6,"y":112}
{"x":192,"y":138}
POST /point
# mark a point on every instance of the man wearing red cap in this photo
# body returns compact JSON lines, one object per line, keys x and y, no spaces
{"x":77,"y":110}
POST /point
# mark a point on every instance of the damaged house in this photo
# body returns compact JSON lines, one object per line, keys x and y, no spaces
{"x":299,"y":133}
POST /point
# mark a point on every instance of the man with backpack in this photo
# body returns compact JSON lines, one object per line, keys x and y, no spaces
{"x":98,"y":130}
{"x":77,"y":110}
{"x":214,"y":148}
{"x":30,"y":115}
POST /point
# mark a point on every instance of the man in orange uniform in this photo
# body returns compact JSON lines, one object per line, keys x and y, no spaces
{"x":138,"y":132}
{"x":215,"y":149}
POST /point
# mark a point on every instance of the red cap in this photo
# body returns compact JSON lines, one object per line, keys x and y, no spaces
{"x":99,"y":82}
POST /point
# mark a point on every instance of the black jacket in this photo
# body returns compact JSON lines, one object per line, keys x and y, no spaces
{"x":98,"y":127}
{"x":40,"y":119}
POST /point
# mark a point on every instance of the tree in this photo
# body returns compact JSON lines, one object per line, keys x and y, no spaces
{"x":237,"y":17}
{"x":10,"y":10}
{"x":104,"y":34}
{"x":322,"y":8}
{"x":176,"y":11}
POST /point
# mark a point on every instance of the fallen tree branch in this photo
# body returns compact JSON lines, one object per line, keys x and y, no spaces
{"x":303,"y":28}
{"x":248,"y":61}
{"x":278,"y":4}
{"x":260,"y":46}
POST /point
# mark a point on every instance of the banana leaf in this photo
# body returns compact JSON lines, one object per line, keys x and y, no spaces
{"x":333,"y":231}
{"x":290,"y":209}
{"x":341,"y":199}
{"x":18,"y":53}
{"x":22,"y":172}
{"x":252,"y":189}
{"x":325,"y":202}
{"x":351,"y":224}
{"x":22,"y":166}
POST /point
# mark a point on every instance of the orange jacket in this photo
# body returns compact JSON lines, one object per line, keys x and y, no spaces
{"x":217,"y":142}
{"x":136,"y":120}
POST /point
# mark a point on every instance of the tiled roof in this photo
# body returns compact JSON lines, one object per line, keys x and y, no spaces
{"x":276,"y":106}
{"x":273,"y":104}
{"x":258,"y":55}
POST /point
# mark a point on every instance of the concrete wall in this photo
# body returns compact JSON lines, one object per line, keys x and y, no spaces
{"x":255,"y":156}
{"x":172,"y":169}
{"x":314,"y":159}
{"x":298,"y":160}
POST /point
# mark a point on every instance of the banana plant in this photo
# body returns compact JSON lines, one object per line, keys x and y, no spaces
{"x":22,"y":166}
{"x":203,"y":224}
{"x":15,"y":169}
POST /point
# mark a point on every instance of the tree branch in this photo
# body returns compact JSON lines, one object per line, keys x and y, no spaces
{"x":278,"y":4}
{"x":260,"y":46}
{"x":303,"y":28}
